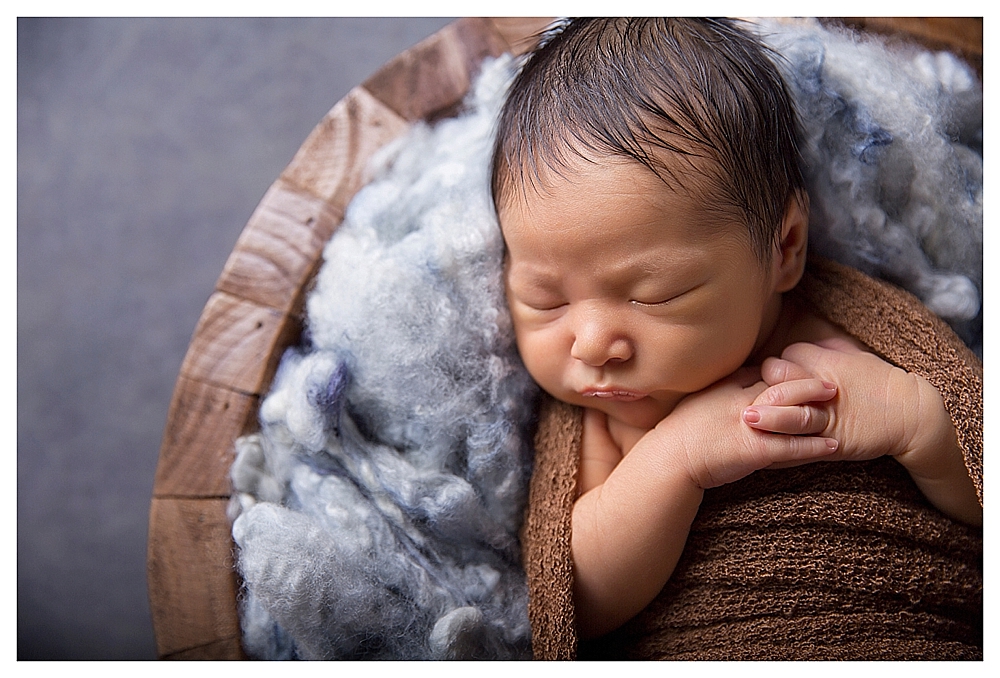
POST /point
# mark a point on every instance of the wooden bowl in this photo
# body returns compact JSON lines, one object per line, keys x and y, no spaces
{"x":255,"y":312}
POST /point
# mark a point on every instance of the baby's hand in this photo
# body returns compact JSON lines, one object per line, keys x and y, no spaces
{"x":871,"y":409}
{"x":717,"y":448}
{"x":877,"y":409}
{"x":793,"y":407}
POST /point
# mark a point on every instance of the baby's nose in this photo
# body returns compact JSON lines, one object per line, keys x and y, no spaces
{"x":598,"y":343}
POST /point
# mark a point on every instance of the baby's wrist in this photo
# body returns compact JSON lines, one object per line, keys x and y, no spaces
{"x":932,"y":438}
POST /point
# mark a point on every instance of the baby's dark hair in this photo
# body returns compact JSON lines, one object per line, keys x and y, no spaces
{"x":702,"y":91}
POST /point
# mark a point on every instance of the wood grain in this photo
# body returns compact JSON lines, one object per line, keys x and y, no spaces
{"x":331,"y":164}
{"x":434,"y":75}
{"x":192,"y":582}
{"x":197,"y":448}
{"x":963,"y":34}
{"x":281,"y":246}
{"x":278,"y":251}
{"x":520,"y":33}
{"x":237,"y":344}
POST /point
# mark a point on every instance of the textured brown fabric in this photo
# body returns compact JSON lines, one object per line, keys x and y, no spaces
{"x":825,"y":561}
{"x":545,"y":536}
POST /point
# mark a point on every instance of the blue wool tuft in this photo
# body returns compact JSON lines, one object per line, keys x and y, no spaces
{"x":377,"y":511}
{"x":867,"y":150}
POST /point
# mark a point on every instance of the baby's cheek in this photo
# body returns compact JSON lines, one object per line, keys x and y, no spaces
{"x":542,"y":358}
{"x":527,"y":346}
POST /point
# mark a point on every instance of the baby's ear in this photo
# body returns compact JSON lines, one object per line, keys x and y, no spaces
{"x":790,"y":254}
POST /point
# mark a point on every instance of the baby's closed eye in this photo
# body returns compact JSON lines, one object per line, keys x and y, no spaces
{"x":661,"y":298}
{"x":647,"y":302}
{"x":541,"y":302}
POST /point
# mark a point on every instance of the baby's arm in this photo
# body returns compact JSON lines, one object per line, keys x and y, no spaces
{"x":600,"y":454}
{"x":880,"y":409}
{"x":629,"y":530}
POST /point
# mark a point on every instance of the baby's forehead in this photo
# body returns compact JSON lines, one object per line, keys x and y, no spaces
{"x":663,"y":172}
{"x":578,"y":188}
{"x":617,"y":212}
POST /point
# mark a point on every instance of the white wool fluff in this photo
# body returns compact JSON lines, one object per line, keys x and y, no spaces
{"x":379,"y":507}
{"x":377,"y":511}
{"x":893,"y":160}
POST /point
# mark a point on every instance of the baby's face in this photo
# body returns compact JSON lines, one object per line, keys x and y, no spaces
{"x":626,"y":296}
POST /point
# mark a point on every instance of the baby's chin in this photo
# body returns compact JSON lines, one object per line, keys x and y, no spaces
{"x":643,"y":414}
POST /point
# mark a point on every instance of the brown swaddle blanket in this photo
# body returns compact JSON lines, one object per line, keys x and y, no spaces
{"x":842,"y":560}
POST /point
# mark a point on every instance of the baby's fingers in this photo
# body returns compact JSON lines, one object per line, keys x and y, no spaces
{"x":778,"y":370}
{"x":797,"y":392}
{"x":794,"y":420}
{"x":761,"y":450}
{"x":786,"y":451}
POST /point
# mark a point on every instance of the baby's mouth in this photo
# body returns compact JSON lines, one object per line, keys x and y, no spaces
{"x":620,"y":395}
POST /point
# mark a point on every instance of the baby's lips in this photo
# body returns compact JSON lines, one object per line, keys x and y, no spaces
{"x":621,"y":395}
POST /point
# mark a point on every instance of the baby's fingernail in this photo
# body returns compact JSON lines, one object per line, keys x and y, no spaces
{"x":832,"y":444}
{"x":829,"y":386}
{"x":751,"y":416}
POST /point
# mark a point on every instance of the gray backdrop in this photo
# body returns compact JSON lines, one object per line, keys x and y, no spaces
{"x":143,"y":147}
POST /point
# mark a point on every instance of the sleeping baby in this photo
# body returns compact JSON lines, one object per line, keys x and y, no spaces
{"x":646,"y":179}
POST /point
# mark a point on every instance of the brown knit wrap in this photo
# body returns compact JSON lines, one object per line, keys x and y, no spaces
{"x":545,"y":536}
{"x":825,"y":561}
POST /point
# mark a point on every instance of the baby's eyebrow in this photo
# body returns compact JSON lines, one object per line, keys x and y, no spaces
{"x":532,"y":278}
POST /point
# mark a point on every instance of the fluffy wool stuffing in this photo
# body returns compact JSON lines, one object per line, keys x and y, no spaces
{"x":893,"y":158}
{"x":378,"y":509}
{"x":379,"y":505}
